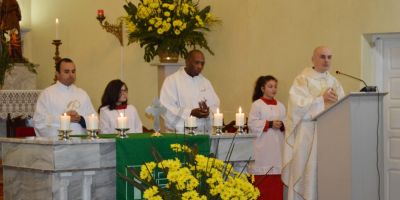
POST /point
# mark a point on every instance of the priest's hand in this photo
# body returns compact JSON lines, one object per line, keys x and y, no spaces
{"x":277,"y":124}
{"x":329,"y":96}
{"x":75,"y":117}
{"x":200,"y":113}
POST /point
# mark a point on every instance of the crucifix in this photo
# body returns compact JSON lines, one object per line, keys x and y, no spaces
{"x":155,"y":110}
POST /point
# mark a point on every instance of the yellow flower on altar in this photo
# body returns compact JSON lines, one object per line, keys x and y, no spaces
{"x":158,"y":24}
{"x":171,"y":7}
{"x":146,"y":169}
{"x":154,"y":5}
{"x":160,"y":31}
{"x":151,"y":193}
{"x":193,"y":195}
{"x":177,"y":23}
{"x":167,"y":14}
{"x":152,"y":21}
{"x":196,"y":177}
{"x":166,"y":26}
{"x":183,"y":27}
{"x":177,"y":32}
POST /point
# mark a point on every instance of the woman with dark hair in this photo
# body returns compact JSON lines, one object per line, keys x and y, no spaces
{"x":265,"y":119}
{"x":114,"y":102}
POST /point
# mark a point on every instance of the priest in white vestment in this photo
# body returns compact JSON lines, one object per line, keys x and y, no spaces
{"x":312,"y":91}
{"x":62,"y":97}
{"x":186,"y":93}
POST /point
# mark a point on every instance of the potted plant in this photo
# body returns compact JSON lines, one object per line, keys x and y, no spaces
{"x":168,"y":27}
{"x":191,"y":176}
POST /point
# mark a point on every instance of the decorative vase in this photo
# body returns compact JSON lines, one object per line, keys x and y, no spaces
{"x":168,"y":57}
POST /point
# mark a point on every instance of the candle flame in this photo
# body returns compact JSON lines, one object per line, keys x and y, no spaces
{"x":57,"y":21}
{"x":93,"y":115}
{"x":240,"y":109}
{"x":218,"y":110}
{"x":121,"y":114}
{"x":65,"y":114}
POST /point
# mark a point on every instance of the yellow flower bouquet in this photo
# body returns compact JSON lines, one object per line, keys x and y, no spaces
{"x":168,"y":26}
{"x":191,"y":176}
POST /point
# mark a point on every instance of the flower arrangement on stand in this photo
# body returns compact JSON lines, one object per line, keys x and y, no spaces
{"x":168,"y":26}
{"x":191,"y":176}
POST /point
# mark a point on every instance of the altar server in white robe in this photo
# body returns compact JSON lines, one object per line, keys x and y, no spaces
{"x":114,"y":102}
{"x":266,"y":120}
{"x":312,"y":91}
{"x":62,"y":97}
{"x":187,"y":92}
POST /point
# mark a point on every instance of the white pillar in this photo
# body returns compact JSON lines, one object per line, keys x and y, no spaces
{"x":87,"y":184}
{"x":64,"y":183}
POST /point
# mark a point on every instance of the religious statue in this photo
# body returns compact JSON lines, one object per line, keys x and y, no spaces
{"x":155,"y":110}
{"x":10,"y":15}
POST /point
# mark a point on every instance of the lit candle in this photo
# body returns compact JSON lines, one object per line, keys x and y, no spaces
{"x":218,"y":118}
{"x":191,"y":121}
{"x":100,"y":13}
{"x":240,"y":118}
{"x":64,"y":122}
{"x":57,"y":26}
{"x":93,"y":122}
{"x":122,"y":121}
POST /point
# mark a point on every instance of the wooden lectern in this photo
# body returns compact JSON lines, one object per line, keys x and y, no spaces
{"x":348,"y":133}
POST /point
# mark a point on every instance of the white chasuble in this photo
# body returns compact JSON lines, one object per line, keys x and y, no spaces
{"x":299,"y":171}
{"x":180,"y":94}
{"x":268,"y":145}
{"x":56,"y":100}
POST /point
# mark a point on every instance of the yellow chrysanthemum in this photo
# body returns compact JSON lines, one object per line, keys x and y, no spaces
{"x":171,"y":7}
{"x":146,"y":170}
{"x":193,"y":195}
{"x":152,"y":21}
{"x":158,"y":24}
{"x":177,"y":32}
{"x":151,"y":193}
{"x":177,"y":22}
{"x":154,"y":5}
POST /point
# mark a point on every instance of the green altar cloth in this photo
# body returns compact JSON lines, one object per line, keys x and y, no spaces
{"x":136,"y":149}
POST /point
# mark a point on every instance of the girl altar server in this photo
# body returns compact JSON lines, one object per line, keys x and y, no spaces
{"x":266,"y":120}
{"x":114,"y":102}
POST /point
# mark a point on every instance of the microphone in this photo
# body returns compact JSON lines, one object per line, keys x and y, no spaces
{"x":364,"y":89}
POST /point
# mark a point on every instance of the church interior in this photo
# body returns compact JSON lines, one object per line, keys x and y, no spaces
{"x":252,"y":38}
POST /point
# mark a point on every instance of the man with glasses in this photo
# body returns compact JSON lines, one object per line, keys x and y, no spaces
{"x":312,"y":91}
{"x":62,"y":97}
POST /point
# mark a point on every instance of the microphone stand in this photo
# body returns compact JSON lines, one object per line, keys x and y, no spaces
{"x":364,"y":89}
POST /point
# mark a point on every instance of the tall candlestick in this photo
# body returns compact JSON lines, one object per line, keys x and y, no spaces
{"x":218,"y":118}
{"x":240,"y":118}
{"x":122,"y":121}
{"x":191,"y":122}
{"x":57,"y":27}
{"x":93,"y":122}
{"x":65,"y":122}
